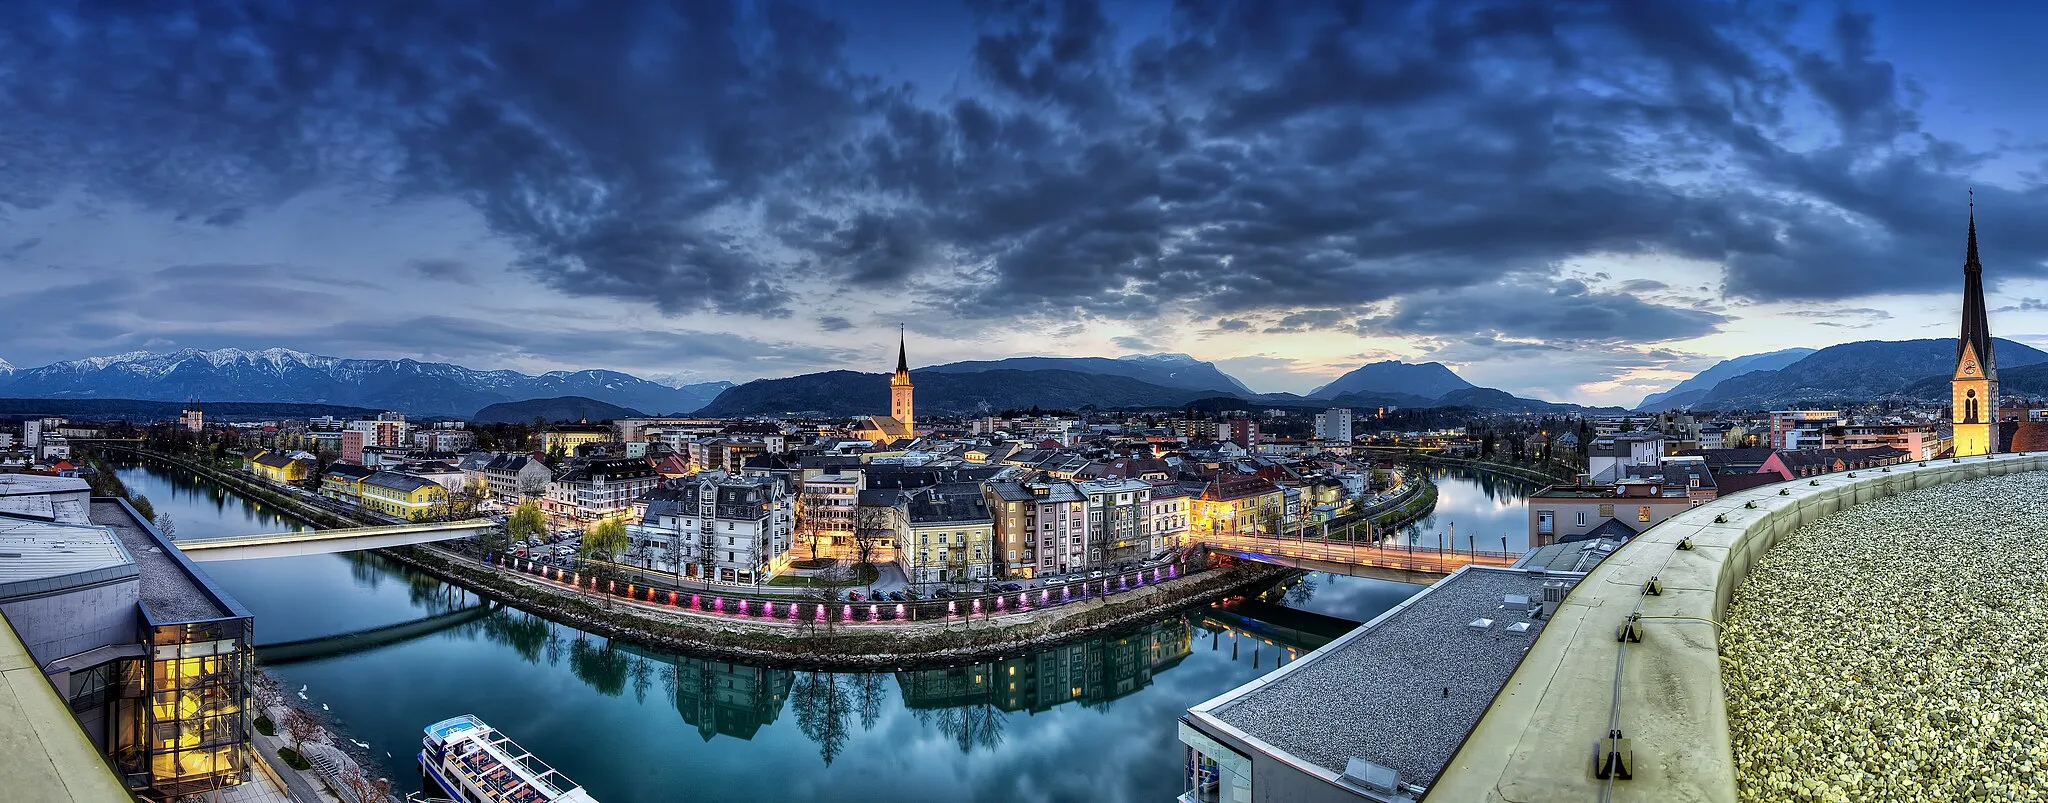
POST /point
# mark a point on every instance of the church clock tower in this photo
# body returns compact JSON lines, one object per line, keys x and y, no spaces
{"x":899,"y":389}
{"x":1974,"y":387}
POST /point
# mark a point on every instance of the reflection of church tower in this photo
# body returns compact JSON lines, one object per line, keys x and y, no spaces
{"x":1974,"y":388}
{"x":899,"y":389}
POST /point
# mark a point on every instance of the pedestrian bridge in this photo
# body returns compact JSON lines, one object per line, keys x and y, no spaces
{"x":1404,"y":564}
{"x":322,"y":542}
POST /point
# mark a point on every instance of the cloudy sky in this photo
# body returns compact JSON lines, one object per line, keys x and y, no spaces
{"x":1575,"y":200}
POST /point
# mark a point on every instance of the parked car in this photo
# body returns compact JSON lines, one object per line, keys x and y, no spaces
{"x":1013,"y":586}
{"x":896,"y":596}
{"x":855,"y":596}
{"x":908,"y":594}
{"x":1095,"y":575}
{"x":991,"y":588}
{"x":941,"y":594}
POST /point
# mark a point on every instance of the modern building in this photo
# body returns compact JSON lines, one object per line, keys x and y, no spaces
{"x":1918,"y":441}
{"x":443,"y":439}
{"x":1334,"y":426}
{"x":719,"y":528}
{"x":149,"y":656}
{"x":825,"y":506}
{"x":1609,"y":457}
{"x":404,"y":495}
{"x":1377,"y":714}
{"x":1803,"y":429}
{"x":1973,"y":389}
{"x":1244,"y":432}
{"x":388,"y":430}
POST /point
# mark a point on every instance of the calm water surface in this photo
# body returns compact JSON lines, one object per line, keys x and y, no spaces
{"x":1092,"y":720}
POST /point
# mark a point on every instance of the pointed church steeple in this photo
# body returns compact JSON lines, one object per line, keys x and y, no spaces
{"x":901,"y":404}
{"x":1973,"y":388}
{"x":1975,"y":337}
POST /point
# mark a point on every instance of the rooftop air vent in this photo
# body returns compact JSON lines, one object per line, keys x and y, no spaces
{"x":1481,"y":623}
{"x":1515,"y":601}
{"x":1518,"y":627}
{"x":1380,"y":781}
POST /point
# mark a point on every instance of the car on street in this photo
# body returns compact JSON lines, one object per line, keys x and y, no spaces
{"x":896,"y":596}
{"x":942,"y":594}
{"x":991,"y":588}
{"x":1013,"y":586}
{"x":855,"y":596}
{"x":1095,"y":575}
{"x":908,"y":594}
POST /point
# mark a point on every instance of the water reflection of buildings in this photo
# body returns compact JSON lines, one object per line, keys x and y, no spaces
{"x":1092,"y":672}
{"x":726,"y":698}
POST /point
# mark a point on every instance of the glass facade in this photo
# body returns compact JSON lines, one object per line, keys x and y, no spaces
{"x":198,"y":693}
{"x":1214,"y":773}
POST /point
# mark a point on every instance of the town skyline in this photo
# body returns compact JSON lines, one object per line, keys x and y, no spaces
{"x":1083,"y":180}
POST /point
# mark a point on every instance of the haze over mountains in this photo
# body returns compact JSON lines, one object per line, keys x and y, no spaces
{"x":1913,"y":369}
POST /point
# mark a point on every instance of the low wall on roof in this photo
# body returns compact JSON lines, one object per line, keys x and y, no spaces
{"x":1537,"y":742}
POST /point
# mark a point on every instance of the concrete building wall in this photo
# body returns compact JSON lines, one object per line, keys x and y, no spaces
{"x":72,"y":622}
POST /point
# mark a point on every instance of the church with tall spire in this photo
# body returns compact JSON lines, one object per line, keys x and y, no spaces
{"x":901,"y":423}
{"x":1974,"y":386}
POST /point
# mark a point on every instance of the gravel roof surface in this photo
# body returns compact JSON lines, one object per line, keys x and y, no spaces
{"x":171,"y":593}
{"x":1380,"y":696}
{"x":1894,"y":651}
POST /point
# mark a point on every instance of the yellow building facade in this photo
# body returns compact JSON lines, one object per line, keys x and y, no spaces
{"x":405,"y":496}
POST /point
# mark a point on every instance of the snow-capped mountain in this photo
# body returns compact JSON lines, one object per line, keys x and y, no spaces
{"x":285,"y":375}
{"x":5,"y":369}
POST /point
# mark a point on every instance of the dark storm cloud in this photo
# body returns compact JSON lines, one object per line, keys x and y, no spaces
{"x":1238,"y":162}
{"x":834,"y":323}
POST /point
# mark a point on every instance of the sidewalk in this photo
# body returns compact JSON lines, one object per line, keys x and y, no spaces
{"x":302,"y":788}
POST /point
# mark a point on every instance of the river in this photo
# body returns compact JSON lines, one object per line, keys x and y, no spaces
{"x":1092,"y":720}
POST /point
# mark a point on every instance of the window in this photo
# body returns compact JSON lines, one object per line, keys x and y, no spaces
{"x":1642,"y":513}
{"x":1582,"y":518}
{"x":1543,"y":522}
{"x":1607,"y":511}
{"x":1013,"y":554}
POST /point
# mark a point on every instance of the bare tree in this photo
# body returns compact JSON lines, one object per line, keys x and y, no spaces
{"x":359,"y":785}
{"x":822,"y":706}
{"x":166,"y":526}
{"x":872,"y":525}
{"x":299,"y":726}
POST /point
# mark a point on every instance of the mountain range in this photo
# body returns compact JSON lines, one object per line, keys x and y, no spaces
{"x":284,"y":375}
{"x":1913,"y":370}
{"x":1429,"y":380}
{"x":1684,"y":394}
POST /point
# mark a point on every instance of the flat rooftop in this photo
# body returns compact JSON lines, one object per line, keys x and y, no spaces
{"x":38,"y":557}
{"x":44,"y":497}
{"x":172,"y":590}
{"x":48,"y":756}
{"x":1378,"y":692}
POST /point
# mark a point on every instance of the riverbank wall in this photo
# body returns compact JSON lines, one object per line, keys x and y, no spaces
{"x":830,"y":646}
{"x":837,"y":646}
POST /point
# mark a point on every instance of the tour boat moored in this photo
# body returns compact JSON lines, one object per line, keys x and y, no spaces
{"x":473,"y":763}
